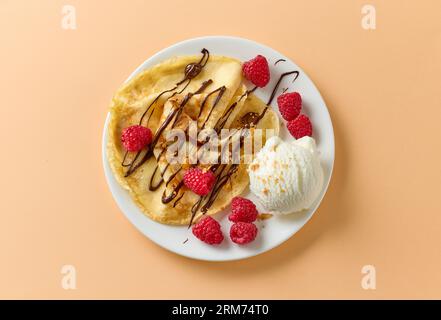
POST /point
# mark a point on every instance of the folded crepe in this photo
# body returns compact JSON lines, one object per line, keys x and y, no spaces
{"x":164,"y":98}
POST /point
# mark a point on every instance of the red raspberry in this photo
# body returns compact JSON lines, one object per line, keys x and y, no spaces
{"x":208,"y":230}
{"x":243,"y":232}
{"x":257,"y":71}
{"x":300,"y":127}
{"x":290,"y":105}
{"x":135,"y":138}
{"x":198,"y":181}
{"x":242,"y":210}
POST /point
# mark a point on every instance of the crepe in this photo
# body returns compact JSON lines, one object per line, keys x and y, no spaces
{"x":185,"y":106}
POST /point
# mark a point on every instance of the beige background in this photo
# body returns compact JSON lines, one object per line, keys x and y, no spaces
{"x":383,"y":206}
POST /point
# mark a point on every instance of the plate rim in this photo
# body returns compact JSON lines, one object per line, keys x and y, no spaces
{"x":108,"y":171}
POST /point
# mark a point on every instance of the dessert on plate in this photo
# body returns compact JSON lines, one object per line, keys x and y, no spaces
{"x":188,"y":96}
{"x":205,"y":89}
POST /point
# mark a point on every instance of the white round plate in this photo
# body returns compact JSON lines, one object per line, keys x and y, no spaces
{"x":276,"y":229}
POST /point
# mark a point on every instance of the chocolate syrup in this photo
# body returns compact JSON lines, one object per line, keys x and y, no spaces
{"x":174,"y":114}
{"x":178,"y":199}
{"x":251,"y":119}
{"x":280,"y":60}
{"x":149,"y":151}
{"x":223,"y":120}
{"x":168,"y":198}
{"x":191,"y":71}
{"x":283,"y":75}
{"x":204,"y":86}
{"x":221,"y":91}
{"x":154,"y":187}
{"x":124,"y":160}
{"x":248,"y":120}
{"x":195,"y":208}
{"x":172,"y":176}
{"x":248,"y":92}
{"x":220,"y":182}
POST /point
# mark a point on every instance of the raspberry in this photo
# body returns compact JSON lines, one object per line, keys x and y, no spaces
{"x":243,"y":232}
{"x":208,"y":230}
{"x":198,"y":181}
{"x":257,"y":71}
{"x":135,"y":138}
{"x":300,"y":127}
{"x":242,"y":210}
{"x":290,"y":105}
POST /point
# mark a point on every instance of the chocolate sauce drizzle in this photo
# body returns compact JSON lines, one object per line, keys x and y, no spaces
{"x":248,"y":120}
{"x":152,"y":186}
{"x":191,"y":71}
{"x":124,"y":159}
{"x":168,"y":198}
{"x":223,"y":172}
{"x":177,"y":112}
{"x":178,"y":199}
{"x":283,"y":75}
{"x":221,"y":91}
{"x":251,"y":119}
{"x":220,"y":182}
{"x":220,"y":123}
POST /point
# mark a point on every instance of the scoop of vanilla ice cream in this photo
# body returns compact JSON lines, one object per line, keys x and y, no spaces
{"x":286,"y":176}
